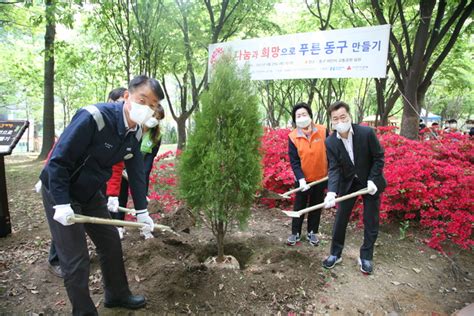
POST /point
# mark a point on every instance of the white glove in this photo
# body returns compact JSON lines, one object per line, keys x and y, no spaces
{"x":372,"y":187}
{"x":113,"y":204}
{"x":303,"y":185}
{"x":330,"y":200}
{"x":38,"y":186}
{"x":144,"y":217}
{"x":62,"y":212}
{"x":145,"y":232}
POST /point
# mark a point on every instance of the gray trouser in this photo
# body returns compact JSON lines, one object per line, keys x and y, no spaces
{"x":71,"y":246}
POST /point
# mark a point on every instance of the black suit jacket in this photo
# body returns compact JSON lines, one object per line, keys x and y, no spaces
{"x":368,"y":161}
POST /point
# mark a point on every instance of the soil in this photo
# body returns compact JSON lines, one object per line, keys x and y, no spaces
{"x":409,"y":278}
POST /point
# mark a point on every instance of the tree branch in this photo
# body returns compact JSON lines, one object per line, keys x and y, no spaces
{"x":168,"y":98}
{"x":437,"y":35}
{"x":452,"y":40}
{"x":396,"y":44}
{"x":404,"y":29}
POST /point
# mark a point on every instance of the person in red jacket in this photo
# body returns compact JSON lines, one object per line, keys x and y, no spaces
{"x":308,"y":160}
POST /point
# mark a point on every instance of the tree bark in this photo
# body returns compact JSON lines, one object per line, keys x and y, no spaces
{"x":48,"y":85}
{"x":220,"y":241}
{"x":411,"y":108}
{"x":181,"y":122}
{"x":410,"y":120}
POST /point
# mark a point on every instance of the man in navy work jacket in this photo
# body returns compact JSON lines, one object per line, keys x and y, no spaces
{"x":356,"y":161}
{"x":98,"y":137}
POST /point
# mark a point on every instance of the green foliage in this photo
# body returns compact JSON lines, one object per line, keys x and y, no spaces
{"x":92,"y":59}
{"x":220,"y":169}
{"x":404,"y":225}
{"x":170,"y":136}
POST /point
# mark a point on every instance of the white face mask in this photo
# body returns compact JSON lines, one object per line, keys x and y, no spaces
{"x":140,"y":113}
{"x":152,"y":122}
{"x":453,"y":125}
{"x":303,"y":122}
{"x":342,"y":127}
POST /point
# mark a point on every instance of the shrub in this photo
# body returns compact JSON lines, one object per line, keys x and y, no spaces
{"x":431,"y":182}
{"x":219,"y":171}
{"x":163,"y":181}
{"x":277,"y":174}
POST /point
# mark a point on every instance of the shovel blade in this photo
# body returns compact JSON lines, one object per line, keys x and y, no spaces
{"x":267,"y":194}
{"x":291,"y":213}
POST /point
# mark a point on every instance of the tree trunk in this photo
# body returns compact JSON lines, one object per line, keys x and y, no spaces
{"x":410,"y":119}
{"x":411,"y":109}
{"x":379,"y":88}
{"x":181,"y":122}
{"x":220,"y":241}
{"x":48,"y":102}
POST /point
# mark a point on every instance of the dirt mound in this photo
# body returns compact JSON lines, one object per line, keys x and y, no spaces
{"x":174,"y":278}
{"x":180,"y":220}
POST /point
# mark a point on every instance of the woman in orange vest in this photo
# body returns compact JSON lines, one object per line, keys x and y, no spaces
{"x":308,"y":160}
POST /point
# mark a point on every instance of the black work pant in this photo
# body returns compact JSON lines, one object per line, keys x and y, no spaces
{"x":71,"y":246}
{"x":371,"y":222}
{"x":53,"y":255}
{"x":313,"y":196}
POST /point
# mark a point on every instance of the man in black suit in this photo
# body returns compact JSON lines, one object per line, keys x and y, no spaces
{"x":356,"y":161}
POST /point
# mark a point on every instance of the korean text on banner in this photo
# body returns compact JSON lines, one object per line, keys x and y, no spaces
{"x":346,"y":53}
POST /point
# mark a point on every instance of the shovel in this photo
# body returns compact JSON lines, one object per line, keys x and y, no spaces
{"x":321,"y":205}
{"x":78,"y":218}
{"x":286,"y":194}
{"x":127,"y":210}
{"x":283,"y":196}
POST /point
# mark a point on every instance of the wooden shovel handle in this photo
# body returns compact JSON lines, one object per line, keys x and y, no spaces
{"x":77,"y":218}
{"x":127,"y":210}
{"x":339,"y":199}
{"x":299,"y":189}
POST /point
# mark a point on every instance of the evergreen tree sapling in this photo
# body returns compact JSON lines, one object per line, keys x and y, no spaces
{"x":220,"y":169}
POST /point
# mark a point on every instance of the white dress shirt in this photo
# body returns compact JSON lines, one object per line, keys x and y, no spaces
{"x":348,"y":144}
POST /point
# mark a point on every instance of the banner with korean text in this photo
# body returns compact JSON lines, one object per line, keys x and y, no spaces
{"x":347,"y":53}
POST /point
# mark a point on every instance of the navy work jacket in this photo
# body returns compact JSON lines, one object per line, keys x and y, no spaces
{"x":82,"y":160}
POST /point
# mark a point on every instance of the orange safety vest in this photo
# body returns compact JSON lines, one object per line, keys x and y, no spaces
{"x":312,"y":152}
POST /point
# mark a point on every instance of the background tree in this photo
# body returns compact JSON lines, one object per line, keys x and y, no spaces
{"x":201,"y":24}
{"x":426,"y":37}
{"x":220,"y":171}
{"x":115,"y":17}
{"x":360,"y":14}
{"x":48,"y":105}
{"x":451,"y":95}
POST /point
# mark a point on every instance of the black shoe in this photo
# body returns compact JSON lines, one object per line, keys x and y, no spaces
{"x":55,"y":270}
{"x":130,"y":302}
{"x":331,"y":261}
{"x":365,"y":266}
